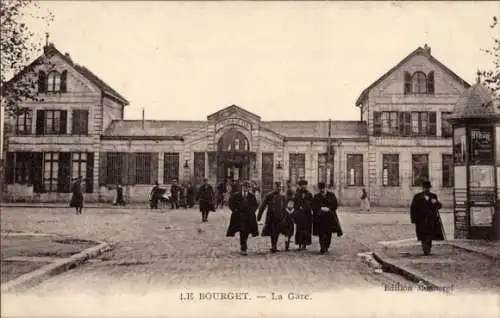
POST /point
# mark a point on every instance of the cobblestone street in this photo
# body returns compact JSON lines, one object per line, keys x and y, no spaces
{"x":172,"y":249}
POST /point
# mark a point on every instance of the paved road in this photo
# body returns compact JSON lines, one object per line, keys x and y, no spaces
{"x":173,"y":249}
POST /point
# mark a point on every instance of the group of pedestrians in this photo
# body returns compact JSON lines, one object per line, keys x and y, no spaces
{"x":298,"y":213}
{"x":178,"y":196}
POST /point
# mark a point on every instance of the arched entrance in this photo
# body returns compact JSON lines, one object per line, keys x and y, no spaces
{"x":233,"y":156}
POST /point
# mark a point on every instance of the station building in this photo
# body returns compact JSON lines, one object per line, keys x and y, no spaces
{"x":77,"y":128}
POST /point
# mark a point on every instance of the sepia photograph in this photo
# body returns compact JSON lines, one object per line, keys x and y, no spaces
{"x":250,"y":158}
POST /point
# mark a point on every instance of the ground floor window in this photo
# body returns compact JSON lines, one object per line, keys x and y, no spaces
{"x":50,"y":171}
{"x":170,"y":167}
{"x":390,"y":170}
{"x":420,"y":167}
{"x":297,"y":167}
{"x":354,"y":164}
{"x":113,"y":166}
{"x":79,"y":167}
{"x":326,"y":169}
{"x":143,"y":168}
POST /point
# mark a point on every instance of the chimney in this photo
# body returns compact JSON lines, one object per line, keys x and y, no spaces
{"x":68,"y":57}
{"x":143,"y":119}
{"x":427,"y":49}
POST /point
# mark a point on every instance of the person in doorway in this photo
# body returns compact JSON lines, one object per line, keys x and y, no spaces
{"x":119,"y":196}
{"x":325,"y":218}
{"x":205,"y":198}
{"x":303,"y":216}
{"x":365,"y":203}
{"x":243,"y":220}
{"x":424,"y":213}
{"x":77,"y":196}
{"x":274,"y":202}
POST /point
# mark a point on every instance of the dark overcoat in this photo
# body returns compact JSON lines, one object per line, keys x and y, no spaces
{"x":425,"y":215}
{"x":274,"y":202}
{"x":303,"y":217}
{"x":206,"y":198}
{"x":190,"y":195}
{"x":243,"y":217}
{"x":325,"y":222}
{"x":77,"y":195}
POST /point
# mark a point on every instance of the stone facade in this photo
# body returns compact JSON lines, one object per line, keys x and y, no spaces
{"x":234,"y":142}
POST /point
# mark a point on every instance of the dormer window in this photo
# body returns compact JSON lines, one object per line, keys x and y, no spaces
{"x":52,"y":82}
{"x":419,"y":83}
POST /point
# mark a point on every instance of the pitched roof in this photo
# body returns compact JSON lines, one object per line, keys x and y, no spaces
{"x":154,"y":128}
{"x":476,"y":102}
{"x":50,"y":50}
{"x":318,"y":129}
{"x":234,"y":108}
{"x":287,"y":129}
{"x":422,"y":51}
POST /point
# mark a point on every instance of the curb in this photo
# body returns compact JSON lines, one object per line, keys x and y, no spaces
{"x":415,"y":276}
{"x":33,"y":278}
{"x":473,"y":250}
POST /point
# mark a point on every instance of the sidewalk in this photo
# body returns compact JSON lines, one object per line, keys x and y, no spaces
{"x":28,"y":257}
{"x":463,"y":265}
{"x":142,"y":206}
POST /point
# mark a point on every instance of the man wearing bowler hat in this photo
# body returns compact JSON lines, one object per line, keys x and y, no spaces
{"x":424,"y":213}
{"x":243,"y":206}
{"x":303,"y":216}
{"x":325,"y":218}
{"x":274,"y":202}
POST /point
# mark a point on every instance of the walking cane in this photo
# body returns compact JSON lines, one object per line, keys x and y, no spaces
{"x":442,"y":227}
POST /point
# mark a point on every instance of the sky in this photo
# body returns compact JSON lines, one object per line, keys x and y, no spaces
{"x":279,"y":60}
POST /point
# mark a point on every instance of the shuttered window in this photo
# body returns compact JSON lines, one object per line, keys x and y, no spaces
{"x":80,"y":122}
{"x":170,"y":167}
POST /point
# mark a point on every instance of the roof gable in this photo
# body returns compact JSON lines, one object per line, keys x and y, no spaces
{"x":51,"y":50}
{"x":230,"y":110}
{"x":419,"y":51}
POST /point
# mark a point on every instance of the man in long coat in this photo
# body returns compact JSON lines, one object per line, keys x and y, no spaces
{"x":206,"y":200}
{"x":424,"y":213}
{"x":175,"y":193}
{"x":243,"y":220}
{"x":274,"y":202}
{"x":325,"y":218}
{"x":303,"y":215}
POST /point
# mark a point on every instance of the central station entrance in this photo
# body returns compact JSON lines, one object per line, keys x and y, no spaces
{"x":234,"y":157}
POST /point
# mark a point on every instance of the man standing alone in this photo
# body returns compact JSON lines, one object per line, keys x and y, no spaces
{"x":424,"y":213}
{"x":325,"y":217}
{"x":274,"y":202}
{"x":243,"y":206}
{"x":206,"y":200}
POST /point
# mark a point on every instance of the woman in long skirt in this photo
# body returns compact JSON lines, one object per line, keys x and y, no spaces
{"x":77,"y":196}
{"x":287,"y":226}
{"x":365,"y":204}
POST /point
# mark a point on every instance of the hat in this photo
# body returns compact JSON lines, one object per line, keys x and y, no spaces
{"x":246,"y":184}
{"x":302,"y":182}
{"x":321,"y":185}
{"x":278,"y":184}
{"x":426,"y":184}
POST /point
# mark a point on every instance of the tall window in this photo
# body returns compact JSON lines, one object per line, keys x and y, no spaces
{"x":79,"y":167}
{"x":420,"y":167}
{"x":199,"y":167}
{"x":390,"y":125}
{"x":323,"y":169}
{"x":297,"y":167}
{"x":143,"y":168}
{"x":23,"y":168}
{"x":23,"y":121}
{"x":170,"y":167}
{"x":80,"y":122}
{"x":354,"y":169}
{"x":447,"y":169}
{"x":446,"y":127}
{"x":390,"y":171}
{"x":115,"y":166}
{"x":419,"y":83}
{"x":50,"y":171}
{"x":54,"y":82}
{"x":51,"y":122}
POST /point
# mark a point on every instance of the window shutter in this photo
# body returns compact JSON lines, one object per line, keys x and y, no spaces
{"x":64,"y":76}
{"x":103,"y":167}
{"x":64,"y":122}
{"x":84,"y":122}
{"x":64,"y":172}
{"x":40,"y":114}
{"x":154,"y":167}
{"x":407,"y":88}
{"x":38,"y":172}
{"x":430,"y":83}
{"x":377,"y":123}
{"x":432,"y":123}
{"x":42,"y":82}
{"x":9,"y":168}
{"x":90,"y":173}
